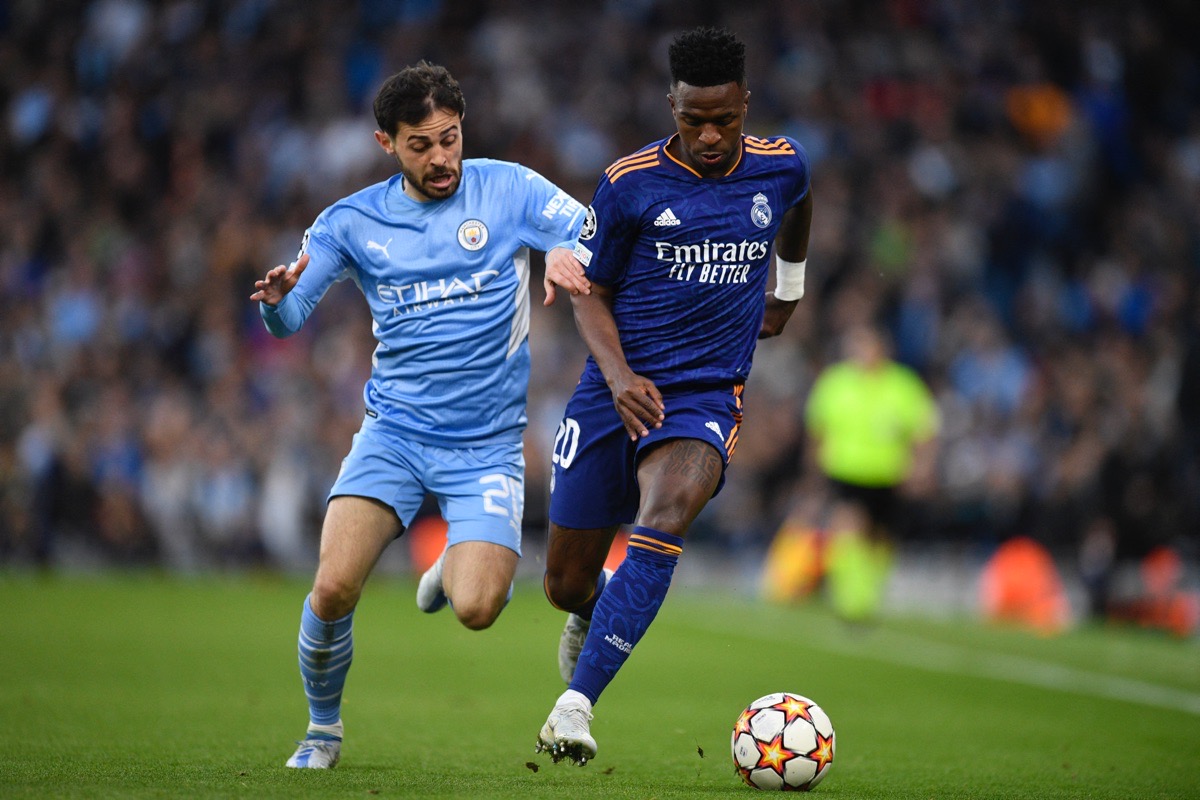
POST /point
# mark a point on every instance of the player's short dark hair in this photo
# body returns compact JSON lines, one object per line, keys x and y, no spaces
{"x":412,"y":94}
{"x":707,"y":57}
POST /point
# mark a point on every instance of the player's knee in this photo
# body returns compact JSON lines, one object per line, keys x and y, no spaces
{"x":333,"y":598}
{"x":568,"y":591}
{"x":477,"y":613}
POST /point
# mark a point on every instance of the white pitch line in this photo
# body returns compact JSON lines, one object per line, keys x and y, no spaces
{"x":913,"y":651}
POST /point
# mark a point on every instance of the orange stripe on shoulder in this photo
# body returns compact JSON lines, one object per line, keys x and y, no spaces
{"x":755,"y":141}
{"x":769,"y":147}
{"x":788,"y":151}
{"x":634,"y":167}
{"x":640,"y":156}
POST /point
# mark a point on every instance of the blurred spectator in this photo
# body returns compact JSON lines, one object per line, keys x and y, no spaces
{"x":1013,"y":188}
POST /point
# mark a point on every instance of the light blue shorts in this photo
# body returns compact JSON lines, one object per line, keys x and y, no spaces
{"x":480,"y":490}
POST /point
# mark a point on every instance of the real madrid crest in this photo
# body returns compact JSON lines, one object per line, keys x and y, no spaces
{"x":760,"y":212}
{"x":473,"y":234}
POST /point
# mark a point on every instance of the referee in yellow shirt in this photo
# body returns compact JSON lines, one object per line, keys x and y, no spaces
{"x":873,"y":424}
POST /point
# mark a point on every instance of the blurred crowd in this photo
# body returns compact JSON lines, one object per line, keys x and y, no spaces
{"x":1011,"y":188}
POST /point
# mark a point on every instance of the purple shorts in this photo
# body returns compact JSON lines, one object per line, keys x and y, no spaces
{"x":594,"y":479}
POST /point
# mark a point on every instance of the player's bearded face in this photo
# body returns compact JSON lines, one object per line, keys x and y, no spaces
{"x":710,"y":120}
{"x":429,"y":154}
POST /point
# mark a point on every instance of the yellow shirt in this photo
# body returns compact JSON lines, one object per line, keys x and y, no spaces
{"x":867,"y":422}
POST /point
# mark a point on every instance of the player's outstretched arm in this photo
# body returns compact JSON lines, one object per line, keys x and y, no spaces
{"x":563,"y":269}
{"x":279,"y":281}
{"x":637,"y":399}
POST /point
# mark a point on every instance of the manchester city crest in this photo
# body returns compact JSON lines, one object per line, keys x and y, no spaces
{"x":760,"y":212}
{"x":472,"y":234}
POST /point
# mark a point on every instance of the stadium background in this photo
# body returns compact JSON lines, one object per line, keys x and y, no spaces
{"x":1013,"y":187}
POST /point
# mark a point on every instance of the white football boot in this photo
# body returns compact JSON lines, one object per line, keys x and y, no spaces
{"x":567,"y":732}
{"x":430,"y":595}
{"x":319,"y":750}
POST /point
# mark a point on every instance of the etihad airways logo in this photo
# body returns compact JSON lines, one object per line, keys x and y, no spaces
{"x":423,"y":295}
{"x":711,"y":262}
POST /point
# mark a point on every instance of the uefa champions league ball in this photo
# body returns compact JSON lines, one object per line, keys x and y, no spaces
{"x":783,"y":741}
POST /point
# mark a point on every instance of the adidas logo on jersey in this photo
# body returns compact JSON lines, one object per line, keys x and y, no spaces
{"x":714,"y":427}
{"x":666,"y":219}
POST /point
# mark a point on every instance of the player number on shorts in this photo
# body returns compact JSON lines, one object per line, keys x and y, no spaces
{"x":507,"y":499}
{"x":566,"y":442}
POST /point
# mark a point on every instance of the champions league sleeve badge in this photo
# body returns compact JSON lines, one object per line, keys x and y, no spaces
{"x":473,"y":234}
{"x":589,"y":225}
{"x":760,"y":212}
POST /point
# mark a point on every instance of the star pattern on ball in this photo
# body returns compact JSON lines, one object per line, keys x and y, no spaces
{"x":743,"y":722}
{"x":823,"y":752}
{"x":793,"y":708}
{"x":773,"y":755}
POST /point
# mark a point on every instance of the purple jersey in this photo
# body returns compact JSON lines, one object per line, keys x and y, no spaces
{"x":687,"y":257}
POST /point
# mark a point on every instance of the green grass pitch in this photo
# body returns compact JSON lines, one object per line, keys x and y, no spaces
{"x":139,"y":686}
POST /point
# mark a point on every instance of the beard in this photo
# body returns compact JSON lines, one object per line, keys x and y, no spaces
{"x":423,"y":183}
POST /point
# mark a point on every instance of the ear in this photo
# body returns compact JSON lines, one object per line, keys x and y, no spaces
{"x":385,"y":142}
{"x":671,"y":100}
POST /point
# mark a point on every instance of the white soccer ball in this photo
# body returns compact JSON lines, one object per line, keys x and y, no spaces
{"x":783,"y":741}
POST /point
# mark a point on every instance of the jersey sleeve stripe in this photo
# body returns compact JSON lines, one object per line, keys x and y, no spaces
{"x":612,"y":178}
{"x":625,"y":163}
{"x":786,"y":149}
{"x":621,"y":163}
{"x":782,"y":144}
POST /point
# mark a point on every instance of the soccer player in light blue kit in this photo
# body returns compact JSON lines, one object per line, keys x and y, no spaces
{"x":441,"y":253}
{"x":677,"y":247}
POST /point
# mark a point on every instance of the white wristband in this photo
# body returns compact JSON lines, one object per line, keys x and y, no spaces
{"x":789,"y":279}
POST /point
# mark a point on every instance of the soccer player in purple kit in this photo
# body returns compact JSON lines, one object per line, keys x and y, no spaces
{"x":677,"y":247}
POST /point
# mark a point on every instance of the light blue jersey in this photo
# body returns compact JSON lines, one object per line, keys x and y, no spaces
{"x":448,"y":286}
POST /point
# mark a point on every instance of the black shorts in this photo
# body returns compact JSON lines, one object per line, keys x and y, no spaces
{"x":881,"y":503}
